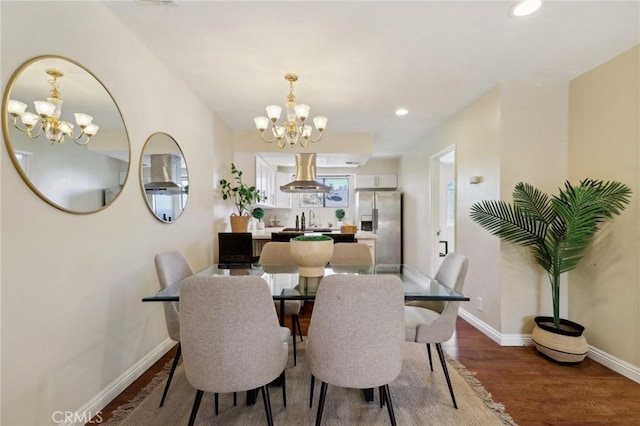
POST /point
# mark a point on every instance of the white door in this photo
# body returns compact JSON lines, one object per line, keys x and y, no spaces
{"x":443,"y":202}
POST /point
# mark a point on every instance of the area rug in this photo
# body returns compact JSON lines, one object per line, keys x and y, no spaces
{"x":419,"y":395}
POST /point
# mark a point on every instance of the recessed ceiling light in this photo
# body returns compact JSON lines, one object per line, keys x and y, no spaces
{"x":525,"y":7}
{"x":402,"y":111}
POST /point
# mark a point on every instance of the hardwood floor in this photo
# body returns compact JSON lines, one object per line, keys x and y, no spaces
{"x":534,"y":390}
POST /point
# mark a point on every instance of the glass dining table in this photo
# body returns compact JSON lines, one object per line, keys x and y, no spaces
{"x":286,"y":284}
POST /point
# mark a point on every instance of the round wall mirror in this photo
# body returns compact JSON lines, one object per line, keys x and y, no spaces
{"x":65,"y":134}
{"x":164,"y":177}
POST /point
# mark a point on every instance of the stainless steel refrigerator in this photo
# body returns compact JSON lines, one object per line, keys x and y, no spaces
{"x":381,"y":213}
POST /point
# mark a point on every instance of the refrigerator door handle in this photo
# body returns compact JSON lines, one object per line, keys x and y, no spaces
{"x":374,"y":214}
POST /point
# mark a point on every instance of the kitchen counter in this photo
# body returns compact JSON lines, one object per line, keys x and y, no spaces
{"x":265,"y":234}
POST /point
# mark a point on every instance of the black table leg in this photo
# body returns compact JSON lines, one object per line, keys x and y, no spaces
{"x":253,"y":393}
{"x":251,"y":396}
{"x":368,"y":394}
{"x":281,"y":312}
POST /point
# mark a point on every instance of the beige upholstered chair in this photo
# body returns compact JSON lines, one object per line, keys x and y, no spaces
{"x":231,"y":339}
{"x":436,"y":323}
{"x":356,"y":334}
{"x":351,"y":254}
{"x":172,"y":267}
{"x":277,"y":253}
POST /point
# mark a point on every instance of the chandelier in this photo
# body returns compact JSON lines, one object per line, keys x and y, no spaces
{"x":294,"y":129}
{"x":47,"y":117}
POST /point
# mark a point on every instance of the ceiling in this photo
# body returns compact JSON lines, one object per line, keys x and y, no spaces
{"x":358,"y":61}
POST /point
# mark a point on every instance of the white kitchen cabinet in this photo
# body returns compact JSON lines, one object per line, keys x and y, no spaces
{"x":265,"y":183}
{"x":377,"y":181}
{"x":255,"y":171}
{"x":282,"y":199}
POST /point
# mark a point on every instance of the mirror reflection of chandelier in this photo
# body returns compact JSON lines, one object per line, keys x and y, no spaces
{"x":294,"y":129}
{"x":48,"y":114}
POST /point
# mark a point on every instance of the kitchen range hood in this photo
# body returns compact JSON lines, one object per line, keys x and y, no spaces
{"x":165,"y":174}
{"x":305,"y":180}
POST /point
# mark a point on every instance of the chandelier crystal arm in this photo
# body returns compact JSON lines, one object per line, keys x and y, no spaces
{"x":26,"y":129}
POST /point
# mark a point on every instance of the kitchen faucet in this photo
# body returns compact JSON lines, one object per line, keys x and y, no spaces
{"x":312,"y":218}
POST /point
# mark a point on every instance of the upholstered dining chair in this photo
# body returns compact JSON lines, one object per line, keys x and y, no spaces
{"x":172,"y":267}
{"x":278,"y":253}
{"x":351,"y":254}
{"x":235,"y":247}
{"x":356,"y":335}
{"x":231,"y":338}
{"x":429,"y":323}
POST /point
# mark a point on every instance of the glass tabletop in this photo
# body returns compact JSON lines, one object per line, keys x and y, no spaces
{"x":286,"y":284}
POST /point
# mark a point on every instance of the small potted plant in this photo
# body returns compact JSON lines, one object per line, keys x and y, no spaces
{"x":258,"y":213}
{"x":557,"y":230}
{"x":242,"y":196}
{"x":339,"y":215}
{"x":311,"y":253}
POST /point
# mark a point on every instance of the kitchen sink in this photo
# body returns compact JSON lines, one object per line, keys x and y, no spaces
{"x":307,"y":230}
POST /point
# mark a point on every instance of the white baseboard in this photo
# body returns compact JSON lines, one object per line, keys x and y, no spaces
{"x":92,"y":408}
{"x":493,"y":334}
{"x":619,"y":366}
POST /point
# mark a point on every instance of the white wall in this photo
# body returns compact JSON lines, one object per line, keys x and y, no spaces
{"x":604,"y":291}
{"x":533,"y":149}
{"x":72,"y":320}
{"x":332,"y":142}
{"x":497,"y":137}
{"x":544,"y":133}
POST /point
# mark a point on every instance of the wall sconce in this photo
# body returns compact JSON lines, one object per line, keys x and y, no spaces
{"x":474,"y":180}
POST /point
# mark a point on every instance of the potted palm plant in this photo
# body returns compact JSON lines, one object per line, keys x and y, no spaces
{"x":557,"y":230}
{"x":242,"y":196}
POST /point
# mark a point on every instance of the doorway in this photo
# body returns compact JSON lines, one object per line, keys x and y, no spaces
{"x":443,"y":205}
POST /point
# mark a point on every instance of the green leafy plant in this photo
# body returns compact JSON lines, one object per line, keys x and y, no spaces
{"x":340,"y":214}
{"x":258,"y":213}
{"x":557,"y":229}
{"x":241,"y":195}
{"x":312,"y":238}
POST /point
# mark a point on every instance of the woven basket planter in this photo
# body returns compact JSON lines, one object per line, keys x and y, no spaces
{"x":565,"y":345}
{"x":239,"y":223}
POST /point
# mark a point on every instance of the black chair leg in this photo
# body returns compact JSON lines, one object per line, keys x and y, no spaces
{"x":216,"y":402}
{"x":267,"y":404}
{"x":297,"y":323}
{"x":387,"y":398}
{"x":293,"y":329}
{"x":323,"y":394}
{"x":284,"y":388}
{"x":429,"y":353}
{"x":196,"y":405}
{"x":313,"y":382}
{"x":173,"y":369}
{"x":382,"y":396}
{"x":235,"y":398}
{"x":446,"y":373}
